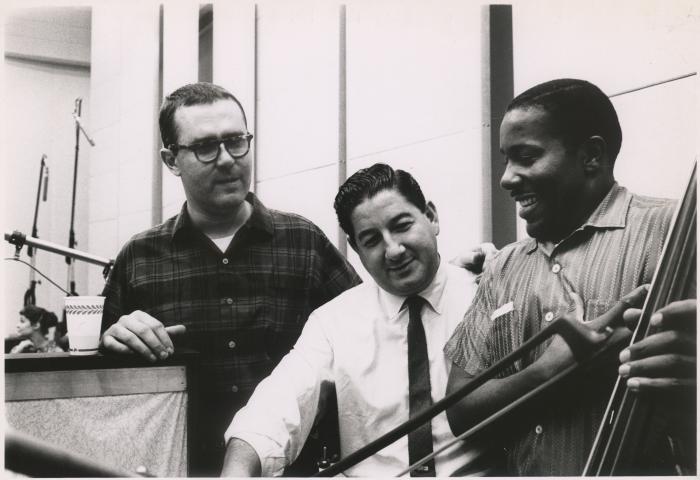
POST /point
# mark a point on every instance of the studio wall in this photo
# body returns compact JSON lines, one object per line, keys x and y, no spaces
{"x":329,"y":87}
{"x":621,"y":46}
{"x":45,"y":68}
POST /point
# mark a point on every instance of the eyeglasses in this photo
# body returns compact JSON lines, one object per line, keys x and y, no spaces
{"x":208,"y":151}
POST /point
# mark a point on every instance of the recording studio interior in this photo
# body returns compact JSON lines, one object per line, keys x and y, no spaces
{"x":327,"y":88}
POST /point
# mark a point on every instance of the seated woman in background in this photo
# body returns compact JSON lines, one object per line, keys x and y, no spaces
{"x":33,"y":328}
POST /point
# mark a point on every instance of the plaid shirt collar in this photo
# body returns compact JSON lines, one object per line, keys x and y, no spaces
{"x":260,"y":219}
{"x":611,"y":212}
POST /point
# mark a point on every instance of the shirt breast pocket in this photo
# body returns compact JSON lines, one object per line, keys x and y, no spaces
{"x":158,"y":300}
{"x":504,"y":337}
{"x":596,"y":308}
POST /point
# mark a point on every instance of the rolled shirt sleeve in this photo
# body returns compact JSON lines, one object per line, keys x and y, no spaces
{"x":467,"y":348}
{"x":280,"y":413}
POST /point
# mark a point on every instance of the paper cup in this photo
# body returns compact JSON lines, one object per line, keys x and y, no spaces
{"x":84,"y":317}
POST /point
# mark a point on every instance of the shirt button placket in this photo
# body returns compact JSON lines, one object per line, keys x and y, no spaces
{"x":549,"y":316}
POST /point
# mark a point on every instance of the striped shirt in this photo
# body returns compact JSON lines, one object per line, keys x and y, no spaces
{"x":526,"y":286}
{"x":243,"y":308}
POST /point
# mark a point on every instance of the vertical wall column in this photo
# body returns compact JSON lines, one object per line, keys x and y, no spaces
{"x":234,"y":57}
{"x":342,"y":113}
{"x":180,"y":66}
{"x":499,"y":92}
{"x":124,"y":103}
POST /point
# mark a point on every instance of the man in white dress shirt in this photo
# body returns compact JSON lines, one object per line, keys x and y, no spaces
{"x":358,"y":342}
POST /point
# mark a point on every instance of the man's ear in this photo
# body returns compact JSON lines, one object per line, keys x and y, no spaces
{"x":594,"y":153}
{"x":169,"y":160}
{"x":431,"y":213}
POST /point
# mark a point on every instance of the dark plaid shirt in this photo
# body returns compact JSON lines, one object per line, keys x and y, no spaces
{"x":525,"y":287}
{"x":243,"y":308}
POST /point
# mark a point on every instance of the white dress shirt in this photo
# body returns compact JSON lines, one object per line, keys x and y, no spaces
{"x":358,"y":341}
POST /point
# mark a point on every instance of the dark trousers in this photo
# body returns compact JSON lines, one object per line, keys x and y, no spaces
{"x":212,"y":413}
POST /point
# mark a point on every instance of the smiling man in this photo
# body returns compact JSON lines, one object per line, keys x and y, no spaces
{"x":240,"y":277}
{"x":593,"y":242}
{"x":379,"y":345}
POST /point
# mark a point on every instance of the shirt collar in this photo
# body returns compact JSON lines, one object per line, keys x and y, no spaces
{"x":432,"y":294}
{"x":611,"y":212}
{"x":260,"y":218}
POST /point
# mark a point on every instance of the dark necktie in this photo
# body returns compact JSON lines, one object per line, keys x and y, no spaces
{"x":420,"y":440}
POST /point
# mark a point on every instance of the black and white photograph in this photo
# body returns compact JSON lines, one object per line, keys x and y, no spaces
{"x":368,"y":238}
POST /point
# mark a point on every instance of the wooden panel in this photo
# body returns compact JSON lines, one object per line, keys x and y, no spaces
{"x":44,"y":362}
{"x":297,"y":95}
{"x":414,"y":102}
{"x":234,"y":52}
{"x":342,"y":242}
{"x":234,"y":59}
{"x":93,"y":383}
{"x":180,"y":67}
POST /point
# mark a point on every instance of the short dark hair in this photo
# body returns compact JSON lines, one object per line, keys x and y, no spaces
{"x":201,"y":93}
{"x":38,"y":315}
{"x":578,"y":110}
{"x":368,"y":182}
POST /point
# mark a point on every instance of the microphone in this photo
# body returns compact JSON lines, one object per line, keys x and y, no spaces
{"x":46,"y":184}
{"x":82,"y":129}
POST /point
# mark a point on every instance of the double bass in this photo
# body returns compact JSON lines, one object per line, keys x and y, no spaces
{"x":628,"y":418}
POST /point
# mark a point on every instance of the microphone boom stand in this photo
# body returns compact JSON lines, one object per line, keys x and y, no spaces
{"x":30,"y":294}
{"x":71,"y":233}
{"x":19,"y":239}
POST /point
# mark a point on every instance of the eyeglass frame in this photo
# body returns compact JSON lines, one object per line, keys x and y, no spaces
{"x":248,"y":136}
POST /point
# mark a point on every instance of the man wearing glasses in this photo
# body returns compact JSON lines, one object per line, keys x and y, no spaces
{"x":240,"y":278}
